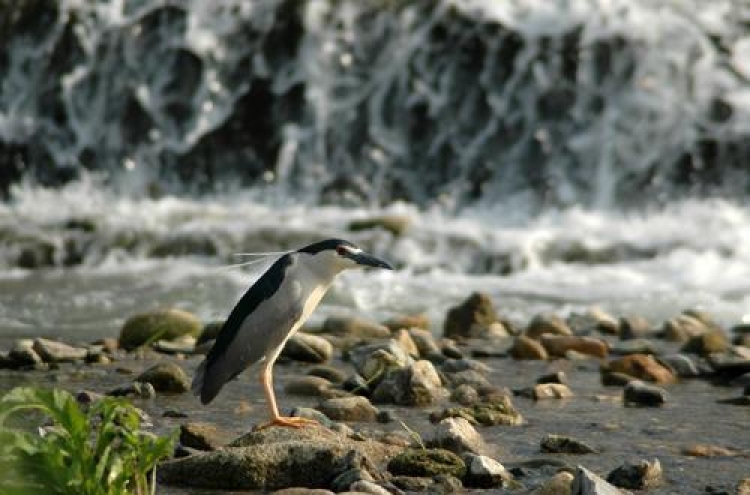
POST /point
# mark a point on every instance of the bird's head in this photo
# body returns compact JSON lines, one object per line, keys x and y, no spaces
{"x":336,"y":255}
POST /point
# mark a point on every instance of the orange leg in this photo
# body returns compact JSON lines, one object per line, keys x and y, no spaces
{"x":266,"y":379}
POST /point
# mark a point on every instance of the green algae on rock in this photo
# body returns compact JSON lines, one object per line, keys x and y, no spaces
{"x":163,"y":324}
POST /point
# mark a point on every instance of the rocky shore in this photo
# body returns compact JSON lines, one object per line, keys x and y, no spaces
{"x":588,"y":404}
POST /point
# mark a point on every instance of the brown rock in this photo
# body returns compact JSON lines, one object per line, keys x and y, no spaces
{"x":551,"y":391}
{"x":634,"y":327}
{"x":355,"y":327}
{"x":682,"y":328}
{"x":710,"y":342}
{"x":407,"y":322}
{"x":468,"y":318}
{"x":642,"y":367}
{"x":527,"y":348}
{"x":425,"y":342}
{"x":310,"y":386}
{"x":559,"y":345}
{"x":203,"y":436}
{"x":705,"y":450}
{"x":349,"y":409}
{"x":547,"y":324}
{"x":403,"y":337}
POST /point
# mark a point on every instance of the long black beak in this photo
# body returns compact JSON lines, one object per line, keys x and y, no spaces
{"x":365,"y":259}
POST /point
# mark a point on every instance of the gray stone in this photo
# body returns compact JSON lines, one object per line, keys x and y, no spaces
{"x":471,"y":317}
{"x":643,"y":475}
{"x":458,"y":436}
{"x":588,"y":483}
{"x":456,"y":365}
{"x":499,"y":411}
{"x":467,"y":377}
{"x":593,"y":320}
{"x":167,"y":324}
{"x":559,"y":484}
{"x":559,"y":444}
{"x":308,"y":348}
{"x":426,"y":462}
{"x":57,"y":352}
{"x":309,"y":386}
{"x":349,"y":409}
{"x":640,"y":393}
{"x":551,"y":391}
{"x":373,"y":361}
{"x":314,"y":414}
{"x":355,"y":327}
{"x":345,"y":480}
{"x":424,"y":341}
{"x":166,"y":377}
{"x":417,"y":385}
{"x":275,"y":458}
{"x":203,"y":436}
{"x":547,"y":324}
{"x":634,"y":327}
{"x":682,"y":328}
{"x":183,"y":345}
{"x":681,"y":365}
{"x":333,"y":375}
{"x":556,"y":377}
{"x":485,"y":472}
{"x":635,"y":346}
{"x":465,"y":395}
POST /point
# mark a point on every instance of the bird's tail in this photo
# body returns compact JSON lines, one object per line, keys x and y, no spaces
{"x":200,"y":373}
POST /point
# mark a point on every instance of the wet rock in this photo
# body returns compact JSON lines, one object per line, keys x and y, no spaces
{"x":374,"y":361}
{"x":706,"y":450}
{"x":727,"y":366}
{"x":635,"y":327}
{"x":681,"y":365}
{"x":416,"y":385}
{"x":559,"y":484}
{"x":209,"y":333}
{"x":593,"y":320}
{"x":355,"y":384}
{"x":458,"y":365}
{"x":57,"y":352}
{"x":346,"y":479}
{"x":425,"y":342}
{"x":710,"y":342}
{"x":556,"y":377}
{"x":682,"y":328}
{"x":559,"y":444}
{"x":635,"y":346}
{"x":469,"y":318}
{"x":588,"y":483}
{"x":498,"y":412}
{"x":639,"y":393}
{"x":551,"y":391}
{"x":547,"y":324}
{"x":203,"y":436}
{"x":527,"y":348}
{"x":355,"y":408}
{"x":307,"y":348}
{"x":22,"y":354}
{"x":315,"y":415}
{"x":309,"y":386}
{"x":274,"y":458}
{"x":426,"y":462}
{"x":166,"y":377}
{"x":458,"y":436}
{"x":355,"y":327}
{"x":408,"y":322}
{"x":333,"y":375}
{"x":448,"y":349}
{"x":615,"y":379}
{"x":367,"y":487}
{"x":642,"y":367}
{"x":641,"y":476}
{"x":485,"y":472}
{"x":166,"y":324}
{"x":412,"y":484}
{"x":395,"y":224}
{"x":468,"y":377}
{"x":407,"y":343}
{"x":465,"y":395}
{"x":560,"y":345}
{"x":184,"y":345}
{"x":743,"y":487}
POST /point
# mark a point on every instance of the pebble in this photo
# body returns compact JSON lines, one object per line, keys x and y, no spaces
{"x":467,"y":377}
{"x":711,"y":342}
{"x":416,"y":385}
{"x":681,"y":365}
{"x":551,"y":391}
{"x":559,"y":484}
{"x":527,"y":348}
{"x":307,"y":348}
{"x":456,"y":365}
{"x":355,"y":327}
{"x":355,"y":408}
{"x":372,"y":361}
{"x":22,"y":354}
{"x":641,"y":366}
{"x":559,"y":444}
{"x":593,"y":320}
{"x":560,"y":345}
{"x":485,"y":472}
{"x":409,"y":322}
{"x":424,"y":341}
{"x":556,"y":377}
{"x":643,"y":475}
{"x":309,"y":386}
{"x":634,"y":327}
{"x":404,"y":340}
{"x":203,"y":436}
{"x":587,"y":483}
{"x":345,"y":480}
{"x":458,"y":436}
{"x":356,"y":385}
{"x":165,"y":324}
{"x":183,"y":345}
{"x":470,"y":317}
{"x":57,"y":352}
{"x":498,"y":412}
{"x":682,"y":328}
{"x":465,"y":395}
{"x":449,"y":349}
{"x":615,"y":379}
{"x":635,"y":346}
{"x":547,"y":324}
{"x":333,"y":375}
{"x":166,"y":377}
{"x":640,"y":393}
{"x":426,"y":462}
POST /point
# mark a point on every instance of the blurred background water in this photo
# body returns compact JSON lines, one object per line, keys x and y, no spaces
{"x":555,"y":154}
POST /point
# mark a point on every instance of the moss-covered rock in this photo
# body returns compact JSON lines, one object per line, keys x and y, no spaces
{"x":427,"y":462}
{"x":500,"y":411}
{"x":164,"y":324}
{"x":166,"y":377}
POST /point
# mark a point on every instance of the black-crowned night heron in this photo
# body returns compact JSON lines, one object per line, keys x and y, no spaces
{"x":270,"y":312}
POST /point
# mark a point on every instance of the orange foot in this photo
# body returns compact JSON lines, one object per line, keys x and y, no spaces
{"x":287,"y":422}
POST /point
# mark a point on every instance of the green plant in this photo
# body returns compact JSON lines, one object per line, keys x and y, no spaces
{"x":100,"y":451}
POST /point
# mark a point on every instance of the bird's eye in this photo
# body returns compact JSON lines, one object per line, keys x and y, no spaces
{"x":341,"y":250}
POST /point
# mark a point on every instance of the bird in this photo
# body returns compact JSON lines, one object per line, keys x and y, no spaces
{"x":270,"y":312}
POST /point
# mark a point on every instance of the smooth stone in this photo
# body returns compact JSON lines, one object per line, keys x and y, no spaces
{"x":469,"y":317}
{"x":88,"y":397}
{"x":165,"y":324}
{"x":449,"y":350}
{"x":707,"y":450}
{"x":458,"y":436}
{"x":395,"y":224}
{"x":640,"y":393}
{"x":307,"y":348}
{"x":203,"y":436}
{"x":642,"y":367}
{"x":355,"y":408}
{"x":183,"y":345}
{"x":560,"y":444}
{"x":315,"y":415}
{"x":355,"y":327}
{"x":588,"y":483}
{"x":527,"y":348}
{"x":635,"y":327}
{"x":681,"y":365}
{"x":308,"y":386}
{"x":710,"y":342}
{"x":465,"y":395}
{"x":456,"y":365}
{"x":57,"y":352}
{"x":498,"y":412}
{"x":333,"y":375}
{"x":426,"y":462}
{"x":209,"y":332}
{"x":373,"y":361}
{"x":485,"y":472}
{"x":417,"y":385}
{"x":559,"y":345}
{"x":468,"y":377}
{"x":560,"y":484}
{"x":409,"y":322}
{"x":274,"y":458}
{"x":166,"y":377}
{"x":593,"y":320}
{"x":355,"y":384}
{"x":301,"y":490}
{"x":682,"y":328}
{"x":547,"y":324}
{"x":643,"y":475}
{"x":425,"y":342}
{"x":635,"y":346}
{"x":615,"y":379}
{"x":552,"y":391}
{"x":556,"y":377}
{"x":368,"y":487}
{"x":345,"y":480}
{"x":404,"y":339}
{"x":22,"y":354}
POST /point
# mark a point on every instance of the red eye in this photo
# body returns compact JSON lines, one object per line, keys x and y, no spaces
{"x":341,"y":250}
